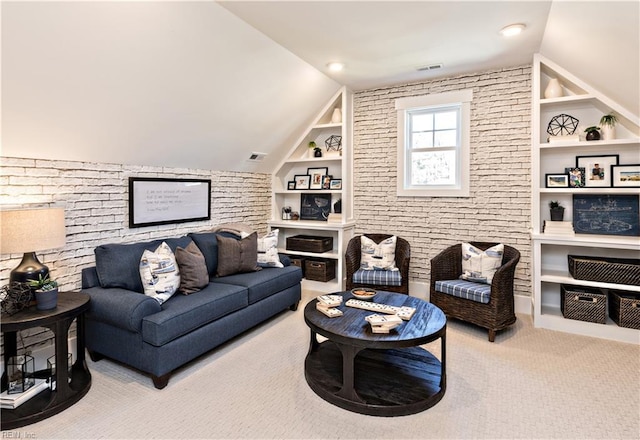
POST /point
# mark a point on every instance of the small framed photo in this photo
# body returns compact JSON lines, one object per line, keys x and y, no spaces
{"x":291,"y":184}
{"x":625,"y":176}
{"x":597,"y":169}
{"x":576,"y":177}
{"x":302,"y":181}
{"x":316,"y":176}
{"x":556,"y":180}
{"x":326,"y":181}
{"x":335,"y":184}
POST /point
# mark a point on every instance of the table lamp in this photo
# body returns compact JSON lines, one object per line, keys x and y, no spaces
{"x":28,"y":231}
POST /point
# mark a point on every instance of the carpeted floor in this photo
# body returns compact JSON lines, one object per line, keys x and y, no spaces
{"x":530,"y":383}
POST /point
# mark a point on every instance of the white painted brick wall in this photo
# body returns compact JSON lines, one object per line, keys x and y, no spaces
{"x":499,"y":206}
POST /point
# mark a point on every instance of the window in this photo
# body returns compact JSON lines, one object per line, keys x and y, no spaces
{"x":433,"y":144}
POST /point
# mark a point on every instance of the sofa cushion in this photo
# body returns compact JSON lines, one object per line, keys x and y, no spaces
{"x":193,"y":269}
{"x":479,"y":266}
{"x":378,"y":277}
{"x":118,"y":264}
{"x":264,"y":283}
{"x":182,"y":314}
{"x":378,"y":256}
{"x":237,"y":256}
{"x":478,"y":292}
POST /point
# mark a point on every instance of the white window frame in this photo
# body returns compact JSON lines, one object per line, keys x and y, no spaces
{"x":462,"y":98}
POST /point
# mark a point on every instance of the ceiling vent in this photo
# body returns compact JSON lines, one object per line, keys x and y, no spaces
{"x":431,"y":67}
{"x":256,"y":157}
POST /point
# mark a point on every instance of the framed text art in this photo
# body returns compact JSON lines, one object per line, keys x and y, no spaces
{"x":156,"y":201}
{"x":597,"y":169}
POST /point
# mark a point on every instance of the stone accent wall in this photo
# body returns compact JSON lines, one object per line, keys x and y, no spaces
{"x":498,"y":209}
{"x":95,"y":198}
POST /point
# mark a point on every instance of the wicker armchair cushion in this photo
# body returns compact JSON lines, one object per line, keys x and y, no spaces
{"x":378,"y":256}
{"x":378,"y":277}
{"x":478,"y":292}
{"x":479,"y":266}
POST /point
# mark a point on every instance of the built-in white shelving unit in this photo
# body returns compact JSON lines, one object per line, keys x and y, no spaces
{"x":550,"y":263}
{"x":339,"y":166}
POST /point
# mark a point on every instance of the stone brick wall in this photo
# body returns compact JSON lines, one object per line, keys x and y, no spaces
{"x":499,"y":206}
{"x":95,"y":198}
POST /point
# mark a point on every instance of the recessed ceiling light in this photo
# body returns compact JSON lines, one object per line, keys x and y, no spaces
{"x":335,"y":66}
{"x":512,"y":29}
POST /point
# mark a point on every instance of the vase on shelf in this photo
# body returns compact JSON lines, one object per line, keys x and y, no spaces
{"x":608,"y":132}
{"x":336,"y":117}
{"x":554,"y":89}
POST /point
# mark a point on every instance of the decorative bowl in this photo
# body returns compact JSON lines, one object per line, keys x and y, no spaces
{"x":363,"y":293}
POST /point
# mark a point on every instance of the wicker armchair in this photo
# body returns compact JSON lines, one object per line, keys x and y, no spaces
{"x":499,"y":312}
{"x":403,"y":256}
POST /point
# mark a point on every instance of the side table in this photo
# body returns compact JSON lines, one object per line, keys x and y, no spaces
{"x":71,"y":305}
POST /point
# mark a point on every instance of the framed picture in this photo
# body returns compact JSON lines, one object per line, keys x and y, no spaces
{"x":625,"y":176}
{"x":576,"y":177}
{"x":326,"y":182}
{"x":291,"y":184}
{"x":335,"y":184}
{"x":556,"y":180}
{"x":315,"y":206}
{"x":597,"y":169}
{"x":316,"y":176}
{"x":302,"y":181}
{"x":606,"y":214}
{"x":156,"y":201}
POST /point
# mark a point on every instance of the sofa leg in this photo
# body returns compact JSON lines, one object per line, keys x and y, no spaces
{"x":492,"y":335}
{"x":95,"y":357}
{"x":160,"y":381}
{"x":293,"y":307}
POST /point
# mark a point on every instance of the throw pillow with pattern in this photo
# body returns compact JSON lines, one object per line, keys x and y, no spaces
{"x":159,"y":273}
{"x":378,"y":256}
{"x":480,"y":266}
{"x":268,"y":250}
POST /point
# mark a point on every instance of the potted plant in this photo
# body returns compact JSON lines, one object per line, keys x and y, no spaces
{"x":608,"y":126}
{"x":314,"y":150}
{"x":556,"y":210}
{"x":46,"y":291}
{"x":593,"y":133}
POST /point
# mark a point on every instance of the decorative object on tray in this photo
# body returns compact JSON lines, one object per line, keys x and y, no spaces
{"x":556,"y":211}
{"x":46,"y":291}
{"x":593,"y":133}
{"x":364,"y":293}
{"x":315,"y":206}
{"x":14,"y":297}
{"x":576,"y":177}
{"x":20,"y":374}
{"x":316,"y":176}
{"x":562,"y":124}
{"x":598,"y":169}
{"x":383,"y":323}
{"x":606,"y":214}
{"x":555,"y":180}
{"x":553,"y":89}
{"x":608,"y":126}
{"x":625,"y":176}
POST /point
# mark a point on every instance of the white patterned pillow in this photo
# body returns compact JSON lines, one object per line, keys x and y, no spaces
{"x":480,"y":266}
{"x":268,"y":250}
{"x":381,"y":256}
{"x":159,"y":273}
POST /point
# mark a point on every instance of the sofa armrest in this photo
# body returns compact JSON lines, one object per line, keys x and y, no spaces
{"x":120,"y":307}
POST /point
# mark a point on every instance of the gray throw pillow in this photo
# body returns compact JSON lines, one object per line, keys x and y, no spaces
{"x":237,"y":256}
{"x":193,"y":269}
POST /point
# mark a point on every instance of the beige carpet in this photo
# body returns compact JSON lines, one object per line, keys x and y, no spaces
{"x":530,"y":383}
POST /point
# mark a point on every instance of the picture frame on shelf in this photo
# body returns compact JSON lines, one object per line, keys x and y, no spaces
{"x":326,"y":182}
{"x":291,"y":184}
{"x":606,"y":214}
{"x":625,"y":176}
{"x":335,"y":184}
{"x":302,"y":181}
{"x":597,"y":169}
{"x":315,"y":206}
{"x":316,"y":176}
{"x":576,"y":177}
{"x":556,"y":180}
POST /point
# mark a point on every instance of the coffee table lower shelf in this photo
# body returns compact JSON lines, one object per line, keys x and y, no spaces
{"x":387,"y":383}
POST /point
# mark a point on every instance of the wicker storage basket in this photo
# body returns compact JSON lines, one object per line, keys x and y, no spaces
{"x":583,"y":303}
{"x":624,"y":308}
{"x":297,"y":261}
{"x":320,"y":270}
{"x":309,"y":243}
{"x":606,"y":270}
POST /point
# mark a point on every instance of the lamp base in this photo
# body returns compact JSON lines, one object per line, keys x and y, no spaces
{"x":28,"y":269}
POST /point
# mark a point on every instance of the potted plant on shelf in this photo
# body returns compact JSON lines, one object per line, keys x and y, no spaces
{"x":593,"y":133}
{"x":314,"y":150}
{"x":556,"y":210}
{"x":46,"y":291}
{"x":608,"y":126}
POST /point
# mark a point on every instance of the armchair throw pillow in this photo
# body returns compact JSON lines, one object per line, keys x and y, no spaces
{"x":479,"y":266}
{"x":378,"y":256}
{"x":159,"y":273}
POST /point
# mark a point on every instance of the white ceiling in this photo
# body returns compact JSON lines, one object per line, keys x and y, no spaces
{"x":384,"y":42}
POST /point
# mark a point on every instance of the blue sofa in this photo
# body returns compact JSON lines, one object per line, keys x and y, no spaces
{"x":125,"y":325}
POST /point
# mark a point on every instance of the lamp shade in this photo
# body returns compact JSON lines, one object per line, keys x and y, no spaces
{"x":31,"y":230}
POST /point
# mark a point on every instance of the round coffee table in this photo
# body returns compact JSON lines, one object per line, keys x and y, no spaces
{"x":375,"y":373}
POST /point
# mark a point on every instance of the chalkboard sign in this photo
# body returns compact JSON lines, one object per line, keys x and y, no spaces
{"x":606,"y":214}
{"x":154,"y":201}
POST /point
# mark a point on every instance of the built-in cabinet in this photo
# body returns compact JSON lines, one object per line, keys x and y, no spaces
{"x":339,"y":162}
{"x":550,"y":252}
